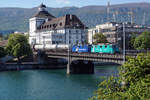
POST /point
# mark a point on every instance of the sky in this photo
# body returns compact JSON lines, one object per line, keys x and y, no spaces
{"x":61,"y":3}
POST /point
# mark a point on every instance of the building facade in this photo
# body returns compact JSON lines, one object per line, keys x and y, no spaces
{"x":114,"y":32}
{"x":45,"y":28}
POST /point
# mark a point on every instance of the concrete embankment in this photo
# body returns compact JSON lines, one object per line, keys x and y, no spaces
{"x":28,"y":66}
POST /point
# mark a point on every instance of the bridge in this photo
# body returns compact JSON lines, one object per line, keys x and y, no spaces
{"x":81,"y":67}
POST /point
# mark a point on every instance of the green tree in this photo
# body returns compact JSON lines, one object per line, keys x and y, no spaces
{"x":131,"y":42}
{"x":136,"y":75}
{"x":99,"y":38}
{"x":2,"y":52}
{"x":142,"y":41}
{"x":18,"y":46}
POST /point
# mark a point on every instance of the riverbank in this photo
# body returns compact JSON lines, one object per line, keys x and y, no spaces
{"x":13,"y":66}
{"x":28,"y":66}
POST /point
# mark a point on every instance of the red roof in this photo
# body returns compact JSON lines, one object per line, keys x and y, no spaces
{"x":3,"y":43}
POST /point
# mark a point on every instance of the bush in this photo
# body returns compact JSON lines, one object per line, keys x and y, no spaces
{"x":136,"y":75}
{"x":2,"y":52}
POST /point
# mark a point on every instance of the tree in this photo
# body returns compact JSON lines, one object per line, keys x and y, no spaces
{"x":135,"y":73}
{"x":131,"y":42}
{"x":18,"y":46}
{"x":99,"y":38}
{"x":2,"y":52}
{"x":142,"y":41}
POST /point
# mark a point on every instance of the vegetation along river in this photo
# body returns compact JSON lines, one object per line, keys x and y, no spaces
{"x":51,"y":84}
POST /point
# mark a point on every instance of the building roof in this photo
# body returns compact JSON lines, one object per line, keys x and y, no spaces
{"x":44,"y":14}
{"x":67,"y":21}
{"x":3,"y":43}
{"x":42,"y":6}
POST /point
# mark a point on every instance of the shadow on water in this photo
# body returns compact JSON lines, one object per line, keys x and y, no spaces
{"x":108,"y":70}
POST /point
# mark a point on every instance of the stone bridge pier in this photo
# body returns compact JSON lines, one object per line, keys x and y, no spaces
{"x":80,"y":67}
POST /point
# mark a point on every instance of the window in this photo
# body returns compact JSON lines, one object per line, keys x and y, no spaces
{"x":60,"y":24}
{"x":60,"y":37}
{"x":100,"y":46}
{"x":69,"y":31}
{"x":96,"y":31}
{"x":53,"y":42}
{"x":105,"y":46}
{"x":53,"y":25}
{"x":76,"y":36}
{"x":76,"y":31}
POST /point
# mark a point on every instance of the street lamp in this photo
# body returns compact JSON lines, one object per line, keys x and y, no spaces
{"x":124,"y":42}
{"x":117,"y":32}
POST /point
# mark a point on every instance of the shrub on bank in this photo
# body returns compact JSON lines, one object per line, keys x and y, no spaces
{"x":133,"y":82}
{"x":2,"y":52}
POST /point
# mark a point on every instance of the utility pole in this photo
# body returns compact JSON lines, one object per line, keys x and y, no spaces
{"x":68,"y":65}
{"x":124,"y":43}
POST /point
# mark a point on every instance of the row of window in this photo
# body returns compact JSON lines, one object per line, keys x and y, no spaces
{"x":51,"y":26}
{"x":57,"y":42}
{"x":106,"y":46}
{"x":74,"y":31}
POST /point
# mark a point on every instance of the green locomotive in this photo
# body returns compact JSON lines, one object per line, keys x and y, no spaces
{"x":105,"y":48}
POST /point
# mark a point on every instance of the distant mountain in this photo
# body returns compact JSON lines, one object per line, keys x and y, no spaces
{"x":17,"y":18}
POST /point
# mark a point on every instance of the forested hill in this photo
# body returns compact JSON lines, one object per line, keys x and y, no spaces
{"x":17,"y":18}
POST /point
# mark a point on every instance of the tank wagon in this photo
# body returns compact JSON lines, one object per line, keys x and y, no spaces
{"x":51,"y":47}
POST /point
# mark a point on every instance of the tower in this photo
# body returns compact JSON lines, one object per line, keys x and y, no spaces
{"x":39,"y":18}
{"x":108,"y":11}
{"x":36,"y":21}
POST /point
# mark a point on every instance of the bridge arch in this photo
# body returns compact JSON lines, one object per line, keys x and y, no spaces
{"x":81,"y":67}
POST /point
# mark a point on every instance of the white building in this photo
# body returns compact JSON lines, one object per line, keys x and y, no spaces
{"x":91,"y":33}
{"x":114,"y":32}
{"x":45,"y":28}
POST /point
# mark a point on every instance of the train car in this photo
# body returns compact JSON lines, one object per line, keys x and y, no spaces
{"x":84,"y":48}
{"x":51,"y":47}
{"x":104,"y":48}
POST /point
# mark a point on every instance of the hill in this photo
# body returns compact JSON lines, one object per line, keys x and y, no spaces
{"x":17,"y":18}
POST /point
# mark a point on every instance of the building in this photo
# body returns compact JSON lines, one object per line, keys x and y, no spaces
{"x":114,"y":32}
{"x":45,"y":28}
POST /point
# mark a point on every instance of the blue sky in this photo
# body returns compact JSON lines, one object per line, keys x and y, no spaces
{"x":61,"y":3}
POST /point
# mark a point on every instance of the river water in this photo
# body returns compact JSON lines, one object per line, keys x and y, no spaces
{"x":51,"y":84}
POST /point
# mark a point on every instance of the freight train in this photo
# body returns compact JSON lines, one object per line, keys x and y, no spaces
{"x":100,"y":48}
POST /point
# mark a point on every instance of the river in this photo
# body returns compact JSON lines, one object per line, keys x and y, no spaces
{"x":51,"y":84}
